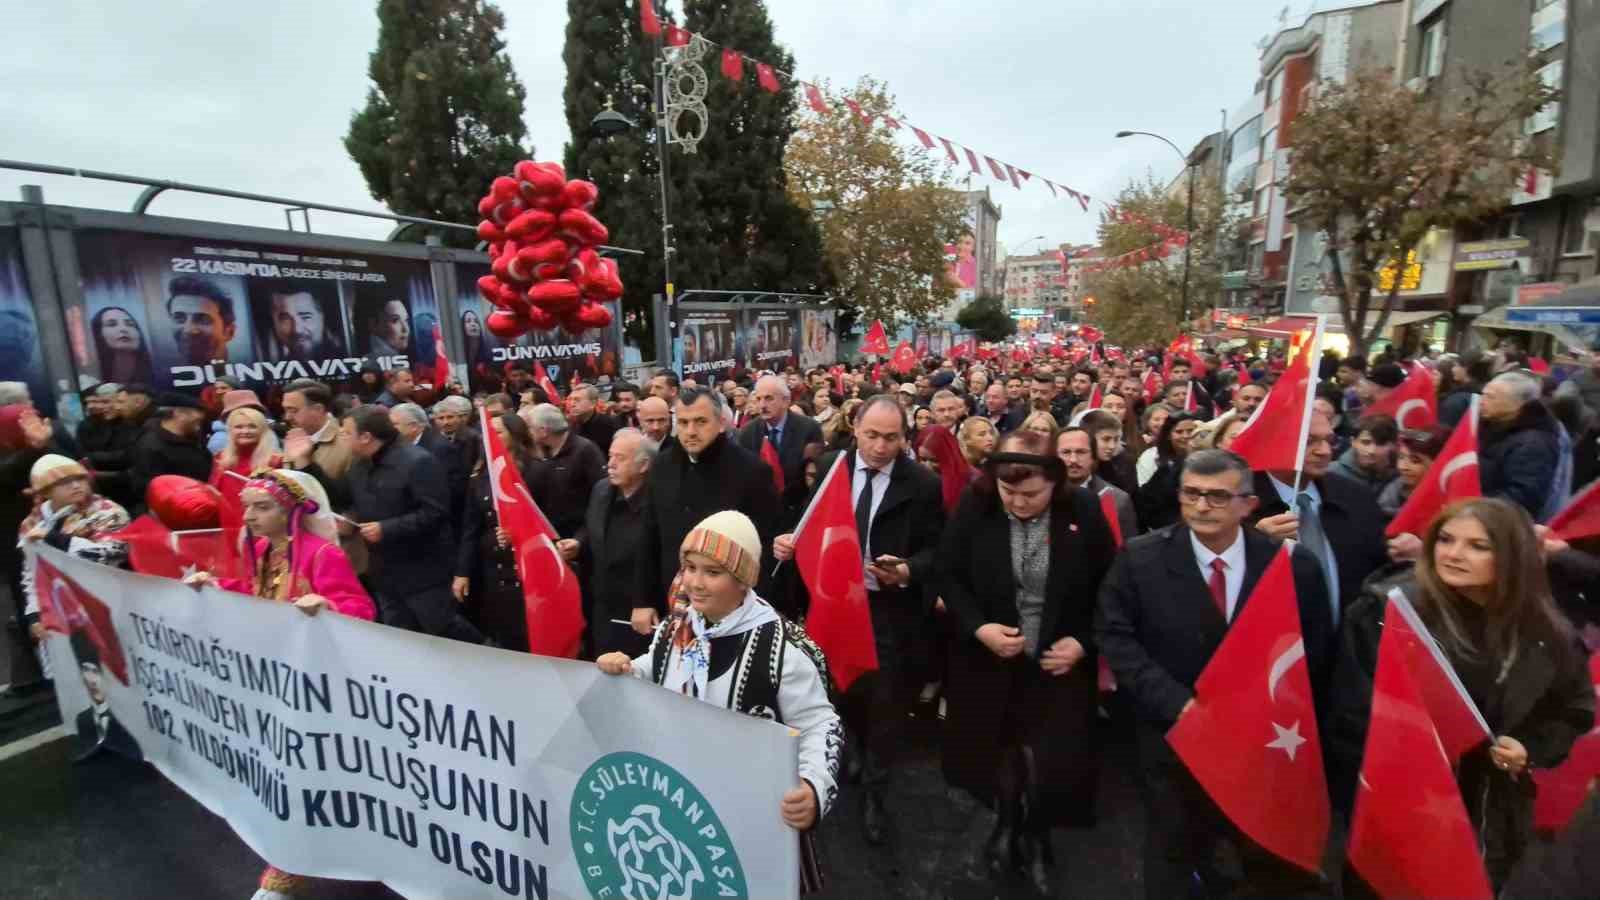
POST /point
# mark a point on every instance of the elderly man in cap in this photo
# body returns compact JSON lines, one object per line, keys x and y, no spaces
{"x":1519,"y":446}
{"x":175,"y":446}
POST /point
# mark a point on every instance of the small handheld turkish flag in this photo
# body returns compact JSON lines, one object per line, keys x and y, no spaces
{"x":877,"y":340}
{"x":1581,"y":518}
{"x":1251,"y":737}
{"x":542,"y":379}
{"x":827,"y":551}
{"x":550,"y":594}
{"x":1108,"y":508}
{"x":1414,"y":404}
{"x":1274,"y":439}
{"x":1096,"y":397}
{"x":1453,"y":476}
{"x":1457,"y":719}
{"x":1409,"y":833}
{"x":904,"y":359}
{"x":441,"y":360}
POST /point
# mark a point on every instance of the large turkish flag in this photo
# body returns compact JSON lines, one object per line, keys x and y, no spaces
{"x":827,"y":551}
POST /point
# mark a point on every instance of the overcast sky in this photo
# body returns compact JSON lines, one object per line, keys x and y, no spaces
{"x":258,"y":98}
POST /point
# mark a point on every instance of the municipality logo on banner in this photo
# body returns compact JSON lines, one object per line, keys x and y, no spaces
{"x":642,"y":831}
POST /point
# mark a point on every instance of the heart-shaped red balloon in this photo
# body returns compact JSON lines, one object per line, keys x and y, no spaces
{"x":506,"y":325}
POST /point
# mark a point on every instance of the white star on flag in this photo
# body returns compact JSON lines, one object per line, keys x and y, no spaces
{"x":190,"y":569}
{"x":1288,"y":739}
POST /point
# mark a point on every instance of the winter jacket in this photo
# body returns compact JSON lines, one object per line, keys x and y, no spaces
{"x":1346,"y":465}
{"x":1518,"y":461}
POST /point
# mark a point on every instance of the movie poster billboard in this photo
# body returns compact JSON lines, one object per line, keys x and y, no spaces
{"x":819,"y":339}
{"x":771,"y":338}
{"x":590,"y":353}
{"x":707,"y":347}
{"x":180,"y":312}
{"x":21,"y":357}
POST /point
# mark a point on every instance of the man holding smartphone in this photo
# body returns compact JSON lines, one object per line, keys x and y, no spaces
{"x":900,"y":515}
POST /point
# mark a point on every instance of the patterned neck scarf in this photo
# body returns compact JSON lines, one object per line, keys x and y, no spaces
{"x":689,"y":669}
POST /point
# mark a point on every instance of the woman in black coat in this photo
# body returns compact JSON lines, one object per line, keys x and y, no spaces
{"x":486,"y":582}
{"x":1481,"y":588}
{"x":1022,"y":560}
{"x":1157,"y":500}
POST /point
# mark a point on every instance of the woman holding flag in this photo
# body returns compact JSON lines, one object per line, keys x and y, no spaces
{"x":725,"y":645}
{"x":485,"y":579}
{"x":1481,"y":589}
{"x":1023,"y":558}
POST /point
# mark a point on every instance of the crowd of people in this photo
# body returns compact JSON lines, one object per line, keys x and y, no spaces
{"x":1042,"y":541}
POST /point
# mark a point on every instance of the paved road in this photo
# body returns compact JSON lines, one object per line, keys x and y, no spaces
{"x":113,"y":829}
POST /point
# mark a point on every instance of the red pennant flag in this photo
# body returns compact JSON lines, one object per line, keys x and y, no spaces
{"x":1581,"y":518}
{"x":1251,"y":737}
{"x":441,"y":360}
{"x":877,"y":340}
{"x":856,"y":108}
{"x":73,"y":606}
{"x":769,"y":455}
{"x":732,"y":65}
{"x":1460,"y":725}
{"x":996,"y":168}
{"x":767,"y":78}
{"x":891,"y":122}
{"x":550,"y":594}
{"x":1274,"y":439}
{"x":1024,"y":175}
{"x":1051,"y":185}
{"x":950,"y":151}
{"x":678,"y":37}
{"x":1409,"y":833}
{"x":1108,"y":507}
{"x":904,"y":359}
{"x":648,"y":23}
{"x":972,"y":160}
{"x":1414,"y":404}
{"x":1083,"y":201}
{"x":827,"y":551}
{"x":814,"y":97}
{"x":927,"y":140}
{"x":542,"y":379}
{"x":1453,"y":476}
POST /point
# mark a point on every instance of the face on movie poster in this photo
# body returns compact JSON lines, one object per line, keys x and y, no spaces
{"x":20,"y":356}
{"x":590,"y":353}
{"x":707,"y":345}
{"x":770,"y":338}
{"x":818,"y":342}
{"x":180,"y":312}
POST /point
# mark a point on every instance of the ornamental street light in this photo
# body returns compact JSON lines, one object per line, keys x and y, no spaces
{"x":1183,"y":315}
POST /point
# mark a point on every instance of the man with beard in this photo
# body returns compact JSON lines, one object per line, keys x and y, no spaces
{"x":583,"y":410}
{"x":202,"y":320}
{"x":1076,"y":447}
{"x":173,"y":447}
{"x":299,"y":328}
{"x":625,"y":404}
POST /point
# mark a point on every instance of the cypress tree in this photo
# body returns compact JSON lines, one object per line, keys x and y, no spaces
{"x":444,"y":113}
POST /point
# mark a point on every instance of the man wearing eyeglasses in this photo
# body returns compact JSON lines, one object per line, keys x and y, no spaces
{"x":1164,"y":609}
{"x":1335,"y":518}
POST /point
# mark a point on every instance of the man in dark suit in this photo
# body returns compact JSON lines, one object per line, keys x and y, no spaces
{"x":700,"y":472}
{"x":98,"y":729}
{"x":609,"y":542}
{"x":1164,"y":609}
{"x":399,"y":496}
{"x":1004,"y":415}
{"x":798,"y":438}
{"x":900,"y":508}
{"x":1333,"y":517}
{"x":587,"y":421}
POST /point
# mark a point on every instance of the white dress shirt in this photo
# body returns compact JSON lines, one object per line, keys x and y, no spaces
{"x":1232,"y":576}
{"x":880,"y":486}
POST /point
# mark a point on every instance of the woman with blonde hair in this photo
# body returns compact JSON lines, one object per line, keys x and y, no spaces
{"x":977,"y":437}
{"x":1481,"y":588}
{"x":1040,"y":422}
{"x":251,"y":445}
{"x":839,"y":432}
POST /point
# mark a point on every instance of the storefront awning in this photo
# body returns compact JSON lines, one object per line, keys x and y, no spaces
{"x":1285,"y":327}
{"x":1581,"y":338}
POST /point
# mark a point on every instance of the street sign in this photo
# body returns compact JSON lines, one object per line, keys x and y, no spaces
{"x":1554,"y":315}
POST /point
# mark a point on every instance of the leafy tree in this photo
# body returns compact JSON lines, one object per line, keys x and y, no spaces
{"x":734,"y":224}
{"x":1376,"y":165}
{"x":986,"y":315}
{"x":444,"y":113}
{"x":610,"y":63}
{"x":892,"y":207}
{"x":1141,"y":302}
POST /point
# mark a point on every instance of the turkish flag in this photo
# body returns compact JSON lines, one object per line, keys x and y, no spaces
{"x":1244,"y":375}
{"x":732,"y":65}
{"x":1189,"y":402}
{"x":1251,"y":737}
{"x":1150,"y":382}
{"x":550,"y":594}
{"x":78,"y":610}
{"x":1108,"y":507}
{"x":648,"y":23}
{"x":1564,"y":789}
{"x":904,"y":359}
{"x":677,"y":37}
{"x":1580,"y":518}
{"x":154,"y":549}
{"x":827,"y":550}
{"x":1461,"y":727}
{"x":1453,"y":476}
{"x":1091,"y":334}
{"x":877,"y":340}
{"x":1096,"y":396}
{"x":150,"y":547}
{"x":962,"y":348}
{"x":1274,"y":438}
{"x":767,"y":78}
{"x":542,"y":379}
{"x":1409,"y":834}
{"x":1414,"y":404}
{"x":877,"y":373}
{"x":441,"y":361}
{"x":769,"y":455}
{"x":814,"y":98}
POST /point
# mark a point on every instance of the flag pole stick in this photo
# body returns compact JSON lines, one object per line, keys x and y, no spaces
{"x":1314,"y":349}
{"x":838,"y":462}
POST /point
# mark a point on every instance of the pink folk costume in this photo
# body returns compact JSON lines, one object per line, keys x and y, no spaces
{"x":310,"y":563}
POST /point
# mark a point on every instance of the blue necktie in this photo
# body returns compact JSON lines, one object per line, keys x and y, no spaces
{"x":1316,"y":540}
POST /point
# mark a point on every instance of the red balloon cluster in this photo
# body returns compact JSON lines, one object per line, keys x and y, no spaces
{"x":545,"y":270}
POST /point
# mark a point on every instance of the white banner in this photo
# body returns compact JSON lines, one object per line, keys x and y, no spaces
{"x":344,"y":749}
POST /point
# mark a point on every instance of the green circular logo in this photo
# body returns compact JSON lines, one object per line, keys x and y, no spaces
{"x":641,"y":831}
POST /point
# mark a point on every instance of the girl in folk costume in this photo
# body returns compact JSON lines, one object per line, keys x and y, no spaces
{"x":730,"y":648}
{"x":294,"y":556}
{"x":72,"y":518}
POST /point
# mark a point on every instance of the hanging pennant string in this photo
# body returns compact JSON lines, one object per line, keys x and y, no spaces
{"x":767,"y":77}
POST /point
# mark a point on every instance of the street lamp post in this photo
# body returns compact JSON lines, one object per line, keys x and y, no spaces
{"x":1183,"y":315}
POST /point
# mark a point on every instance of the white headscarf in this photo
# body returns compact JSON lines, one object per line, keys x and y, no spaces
{"x":689,"y":666}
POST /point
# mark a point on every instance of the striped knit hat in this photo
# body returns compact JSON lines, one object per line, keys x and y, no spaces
{"x":730,"y":538}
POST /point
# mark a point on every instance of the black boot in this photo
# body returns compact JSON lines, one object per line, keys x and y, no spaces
{"x":1039,"y":857}
{"x":874,"y":819}
{"x":999,"y":851}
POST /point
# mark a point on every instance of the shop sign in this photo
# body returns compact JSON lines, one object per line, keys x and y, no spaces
{"x":1479,"y":256}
